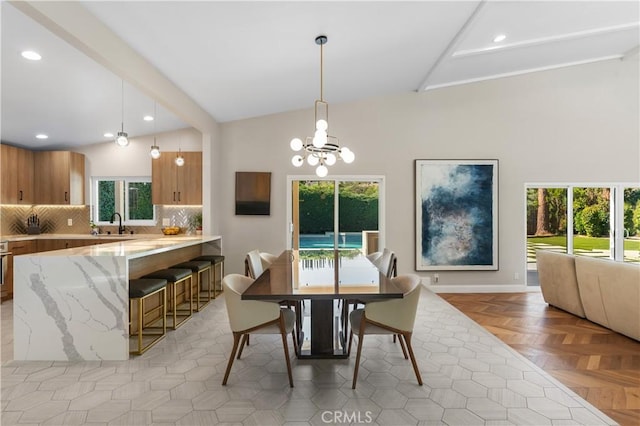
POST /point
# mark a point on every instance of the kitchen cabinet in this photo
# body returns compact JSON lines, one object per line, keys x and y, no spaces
{"x":16,"y":248}
{"x":60,"y":177}
{"x":17,"y":175}
{"x":171,"y":185}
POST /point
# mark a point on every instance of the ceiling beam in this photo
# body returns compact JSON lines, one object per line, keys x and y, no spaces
{"x":451,"y":46}
{"x":72,"y":22}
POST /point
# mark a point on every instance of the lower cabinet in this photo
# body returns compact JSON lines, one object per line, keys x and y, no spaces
{"x":16,"y":248}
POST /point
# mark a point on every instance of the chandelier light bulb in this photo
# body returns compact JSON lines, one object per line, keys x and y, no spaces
{"x":313,"y":160}
{"x":330,"y":160}
{"x":297,"y":160}
{"x":322,"y":125}
{"x":322,"y":170}
{"x":347,"y":155}
{"x":320,"y":139}
{"x":296,"y":144}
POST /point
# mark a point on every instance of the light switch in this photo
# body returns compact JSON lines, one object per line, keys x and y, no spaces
{"x":166,"y":221}
{"x":69,"y":222}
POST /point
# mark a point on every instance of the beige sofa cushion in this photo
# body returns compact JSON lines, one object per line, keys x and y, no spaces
{"x":610,"y":293}
{"x":557,"y":276}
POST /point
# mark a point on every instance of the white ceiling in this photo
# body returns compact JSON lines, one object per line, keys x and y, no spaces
{"x":245,"y":59}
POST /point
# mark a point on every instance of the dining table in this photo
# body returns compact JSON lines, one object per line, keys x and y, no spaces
{"x":330,"y":280}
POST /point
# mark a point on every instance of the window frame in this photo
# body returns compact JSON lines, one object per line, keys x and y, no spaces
{"x":125,"y":218}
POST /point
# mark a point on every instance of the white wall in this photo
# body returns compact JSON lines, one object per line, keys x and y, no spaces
{"x":578,"y":124}
{"x":109,"y":159}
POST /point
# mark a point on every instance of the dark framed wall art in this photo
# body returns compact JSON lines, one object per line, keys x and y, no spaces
{"x":253,"y":193}
{"x":456,"y":215}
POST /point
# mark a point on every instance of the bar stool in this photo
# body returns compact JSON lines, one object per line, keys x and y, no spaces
{"x":198,"y":268}
{"x":174,"y":278}
{"x":217,"y":262}
{"x":140,"y":290}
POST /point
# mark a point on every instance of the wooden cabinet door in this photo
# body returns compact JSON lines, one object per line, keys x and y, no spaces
{"x":9,"y":157}
{"x":25,"y":176}
{"x":163,"y":179}
{"x":59,"y":178}
{"x":189,"y":179}
{"x":16,"y":248}
{"x":52,"y":244}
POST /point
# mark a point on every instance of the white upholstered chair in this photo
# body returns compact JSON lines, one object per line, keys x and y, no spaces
{"x":255,"y":317}
{"x":391,"y":316}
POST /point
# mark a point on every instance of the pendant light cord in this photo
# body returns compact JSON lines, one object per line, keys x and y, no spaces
{"x":321,"y":72}
{"x":122,"y":108}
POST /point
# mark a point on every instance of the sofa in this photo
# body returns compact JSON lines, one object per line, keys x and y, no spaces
{"x":603,"y":291}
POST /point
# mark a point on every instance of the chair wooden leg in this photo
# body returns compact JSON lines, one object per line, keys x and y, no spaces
{"x":350,"y":341}
{"x":402,"y":345}
{"x":283,"y":332}
{"x":360,"y":339}
{"x":236,"y":341}
{"x":245,"y":337}
{"x":407,"y":338}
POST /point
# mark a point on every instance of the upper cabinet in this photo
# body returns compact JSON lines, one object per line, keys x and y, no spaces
{"x":172,"y":184}
{"x":17,"y":175}
{"x":60,"y":177}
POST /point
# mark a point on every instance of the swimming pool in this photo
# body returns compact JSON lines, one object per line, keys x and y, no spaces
{"x":323,"y":241}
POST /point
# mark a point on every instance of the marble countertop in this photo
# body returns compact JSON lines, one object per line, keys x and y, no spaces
{"x":133,"y":248}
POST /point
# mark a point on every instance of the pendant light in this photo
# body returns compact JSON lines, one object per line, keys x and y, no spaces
{"x":155,"y":149}
{"x":179,"y":158}
{"x":122,"y":139}
{"x":321,"y":149}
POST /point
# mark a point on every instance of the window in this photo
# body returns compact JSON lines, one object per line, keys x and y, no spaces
{"x":130,"y":197}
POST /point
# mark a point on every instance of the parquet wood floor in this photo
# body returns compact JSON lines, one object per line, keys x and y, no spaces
{"x":600,"y":365}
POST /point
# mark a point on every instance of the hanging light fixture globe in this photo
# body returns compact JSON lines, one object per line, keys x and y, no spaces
{"x":321,"y":149}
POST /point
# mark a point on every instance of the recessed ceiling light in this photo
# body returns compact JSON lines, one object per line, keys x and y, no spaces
{"x":148,"y":118}
{"x":108,"y":135}
{"x":31,"y":55}
{"x":42,"y":136}
{"x":499,"y":38}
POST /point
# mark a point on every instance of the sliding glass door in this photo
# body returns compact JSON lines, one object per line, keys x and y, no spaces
{"x":585,"y":220}
{"x":343,"y":213}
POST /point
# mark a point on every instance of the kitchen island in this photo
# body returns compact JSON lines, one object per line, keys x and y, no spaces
{"x":73,"y":304}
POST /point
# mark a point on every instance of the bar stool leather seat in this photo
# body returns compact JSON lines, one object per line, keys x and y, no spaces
{"x":140,"y":290}
{"x":198,"y":267}
{"x":174,"y":277}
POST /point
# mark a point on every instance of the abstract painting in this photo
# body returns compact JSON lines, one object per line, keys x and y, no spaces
{"x":253,"y":193}
{"x":456,"y":215}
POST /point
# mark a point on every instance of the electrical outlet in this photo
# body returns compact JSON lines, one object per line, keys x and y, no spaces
{"x":516,"y":276}
{"x":166,"y":221}
{"x":436,"y":277}
{"x":69,"y":222}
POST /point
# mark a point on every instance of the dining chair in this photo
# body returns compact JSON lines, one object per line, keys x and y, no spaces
{"x":391,"y":316}
{"x":255,"y":264}
{"x":255,"y":317}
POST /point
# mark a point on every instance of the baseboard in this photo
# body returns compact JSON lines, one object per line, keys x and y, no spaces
{"x":481,"y":288}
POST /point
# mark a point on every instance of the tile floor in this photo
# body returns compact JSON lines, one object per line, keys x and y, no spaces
{"x":470,"y":378}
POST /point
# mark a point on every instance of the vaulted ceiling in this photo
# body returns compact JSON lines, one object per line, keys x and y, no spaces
{"x":244,"y":59}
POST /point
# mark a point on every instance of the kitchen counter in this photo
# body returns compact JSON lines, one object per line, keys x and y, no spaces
{"x":73,"y":304}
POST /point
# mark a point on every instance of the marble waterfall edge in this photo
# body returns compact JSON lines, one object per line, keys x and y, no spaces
{"x":71,"y":308}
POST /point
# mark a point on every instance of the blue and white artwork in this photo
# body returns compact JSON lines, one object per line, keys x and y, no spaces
{"x":456,"y":215}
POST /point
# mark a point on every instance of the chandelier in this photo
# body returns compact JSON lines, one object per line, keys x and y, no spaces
{"x":321,"y":149}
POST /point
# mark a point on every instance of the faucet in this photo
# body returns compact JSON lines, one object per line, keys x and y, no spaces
{"x":120,"y":227}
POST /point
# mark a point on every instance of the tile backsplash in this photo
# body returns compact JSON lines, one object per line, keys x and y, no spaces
{"x":55,"y":219}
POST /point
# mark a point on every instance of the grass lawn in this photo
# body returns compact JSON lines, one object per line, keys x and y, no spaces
{"x":584,"y":243}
